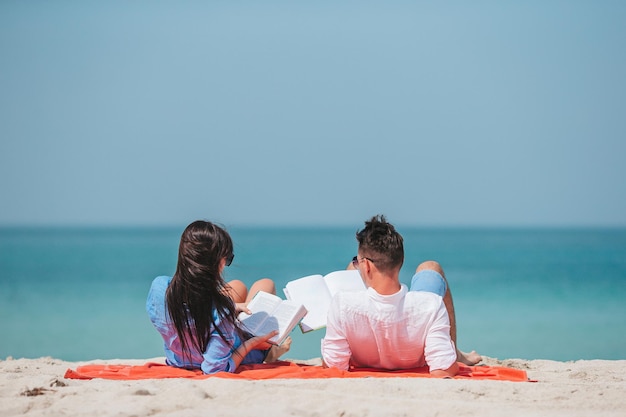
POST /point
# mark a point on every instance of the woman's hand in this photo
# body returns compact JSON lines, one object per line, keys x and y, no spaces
{"x":242,"y":308}
{"x":261,"y":342}
{"x":256,"y":342}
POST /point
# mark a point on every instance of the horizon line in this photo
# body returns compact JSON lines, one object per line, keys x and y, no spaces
{"x":302,"y":225}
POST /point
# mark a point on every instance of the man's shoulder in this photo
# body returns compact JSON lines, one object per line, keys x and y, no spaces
{"x":422,"y":297}
{"x":350,"y":297}
{"x":351,"y":294}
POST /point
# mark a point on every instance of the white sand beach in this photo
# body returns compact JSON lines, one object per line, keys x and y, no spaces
{"x":37,"y":387}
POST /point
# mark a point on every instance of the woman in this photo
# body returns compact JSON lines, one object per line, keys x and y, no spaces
{"x":195,"y":311}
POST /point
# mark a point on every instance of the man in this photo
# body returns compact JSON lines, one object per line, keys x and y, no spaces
{"x":387,"y":326}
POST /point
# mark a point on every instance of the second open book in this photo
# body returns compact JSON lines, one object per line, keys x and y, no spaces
{"x":270,"y":313}
{"x":307,"y":304}
{"x":316,"y":291}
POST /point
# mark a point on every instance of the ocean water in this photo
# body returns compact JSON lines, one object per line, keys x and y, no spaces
{"x":79,"y":293}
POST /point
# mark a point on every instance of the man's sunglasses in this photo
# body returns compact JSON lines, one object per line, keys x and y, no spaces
{"x":356,"y":260}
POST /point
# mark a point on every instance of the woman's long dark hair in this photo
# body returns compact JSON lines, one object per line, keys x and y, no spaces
{"x":197,"y":289}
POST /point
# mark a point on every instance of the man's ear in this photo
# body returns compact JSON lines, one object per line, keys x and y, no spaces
{"x":366,"y":266}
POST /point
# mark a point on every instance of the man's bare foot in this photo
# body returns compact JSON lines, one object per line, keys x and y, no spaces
{"x":471,"y":358}
{"x":277,"y":351}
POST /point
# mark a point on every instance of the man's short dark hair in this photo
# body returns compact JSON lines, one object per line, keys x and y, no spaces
{"x":380,"y":242}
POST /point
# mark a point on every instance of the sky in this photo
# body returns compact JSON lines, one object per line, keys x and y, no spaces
{"x":434,"y":113}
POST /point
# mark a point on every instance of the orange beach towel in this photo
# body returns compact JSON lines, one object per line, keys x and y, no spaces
{"x":282,"y":370}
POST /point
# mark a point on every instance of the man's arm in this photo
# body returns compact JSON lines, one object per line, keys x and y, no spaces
{"x":440,"y":352}
{"x":446,"y":373}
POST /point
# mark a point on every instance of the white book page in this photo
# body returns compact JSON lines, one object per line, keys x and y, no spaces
{"x":270,"y":313}
{"x":312,"y":293}
{"x":285,"y":317}
{"x":261,"y":306}
{"x":345,"y":280}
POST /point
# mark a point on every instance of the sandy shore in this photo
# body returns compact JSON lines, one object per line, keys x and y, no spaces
{"x":579,"y":388}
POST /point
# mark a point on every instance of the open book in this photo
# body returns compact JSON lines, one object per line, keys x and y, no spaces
{"x":269,"y":313}
{"x":316,"y":291}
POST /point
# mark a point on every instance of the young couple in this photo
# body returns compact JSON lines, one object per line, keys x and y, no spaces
{"x":386,"y":326}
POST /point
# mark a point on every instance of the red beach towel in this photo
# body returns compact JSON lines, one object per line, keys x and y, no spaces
{"x":282,"y":370}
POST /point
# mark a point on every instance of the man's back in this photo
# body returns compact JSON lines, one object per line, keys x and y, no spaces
{"x":399,"y":331}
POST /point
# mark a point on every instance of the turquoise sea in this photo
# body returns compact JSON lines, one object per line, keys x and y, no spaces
{"x":79,"y":293}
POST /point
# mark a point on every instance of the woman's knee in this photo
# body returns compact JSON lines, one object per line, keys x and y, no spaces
{"x":237,"y":290}
{"x":264,"y":284}
{"x":267,"y":285}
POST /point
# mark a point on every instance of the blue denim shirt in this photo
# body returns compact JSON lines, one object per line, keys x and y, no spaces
{"x":218,"y":355}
